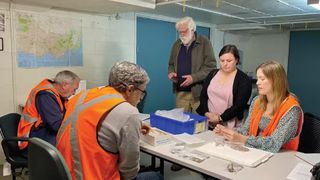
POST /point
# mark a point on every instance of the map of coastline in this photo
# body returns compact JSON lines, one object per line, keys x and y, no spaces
{"x":44,"y":41}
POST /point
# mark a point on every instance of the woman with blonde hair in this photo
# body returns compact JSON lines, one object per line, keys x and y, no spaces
{"x":275,"y":116}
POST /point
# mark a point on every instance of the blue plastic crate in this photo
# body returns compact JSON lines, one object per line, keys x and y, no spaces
{"x":196,"y":124}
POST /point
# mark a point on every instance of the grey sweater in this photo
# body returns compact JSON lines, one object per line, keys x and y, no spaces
{"x":120,"y":134}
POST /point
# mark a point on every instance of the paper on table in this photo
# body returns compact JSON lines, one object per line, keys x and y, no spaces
{"x":251,"y":157}
{"x":300,"y":172}
{"x":143,"y":117}
{"x":311,"y":158}
{"x":188,"y":139}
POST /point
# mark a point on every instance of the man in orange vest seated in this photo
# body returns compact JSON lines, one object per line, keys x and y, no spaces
{"x":45,"y":107}
{"x":100,"y":133}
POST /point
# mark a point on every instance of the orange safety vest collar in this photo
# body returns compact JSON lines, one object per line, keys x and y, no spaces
{"x":30,"y":115}
{"x":285,"y":106}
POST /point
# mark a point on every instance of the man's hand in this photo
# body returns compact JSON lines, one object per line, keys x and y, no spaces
{"x":145,"y":129}
{"x":173,"y":76}
{"x":188,"y":81}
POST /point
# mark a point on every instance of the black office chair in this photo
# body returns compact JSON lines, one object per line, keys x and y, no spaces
{"x":17,"y":158}
{"x":310,"y":134}
{"x":46,"y":162}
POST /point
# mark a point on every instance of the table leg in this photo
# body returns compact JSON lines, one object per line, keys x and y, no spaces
{"x":153,"y":162}
{"x":161,"y":166}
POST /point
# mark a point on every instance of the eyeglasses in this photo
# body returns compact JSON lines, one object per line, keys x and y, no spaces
{"x":144,"y":93}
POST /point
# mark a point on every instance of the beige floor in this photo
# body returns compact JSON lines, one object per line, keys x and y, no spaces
{"x":24,"y":177}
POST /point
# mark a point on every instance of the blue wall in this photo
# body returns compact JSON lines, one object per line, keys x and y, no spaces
{"x":303,"y":69}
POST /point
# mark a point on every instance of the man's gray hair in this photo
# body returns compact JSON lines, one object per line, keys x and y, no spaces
{"x":125,"y":73}
{"x":66,"y":76}
{"x":191,"y":24}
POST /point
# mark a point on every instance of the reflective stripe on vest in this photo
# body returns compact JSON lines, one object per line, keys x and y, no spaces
{"x":30,"y":116}
{"x":72,"y":119}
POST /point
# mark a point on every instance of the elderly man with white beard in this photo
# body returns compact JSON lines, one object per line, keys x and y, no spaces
{"x":191,"y":60}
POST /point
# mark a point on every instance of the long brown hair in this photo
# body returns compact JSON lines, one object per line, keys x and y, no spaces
{"x":274,"y":72}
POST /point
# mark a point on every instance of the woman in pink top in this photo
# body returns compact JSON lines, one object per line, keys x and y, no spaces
{"x":225,"y":91}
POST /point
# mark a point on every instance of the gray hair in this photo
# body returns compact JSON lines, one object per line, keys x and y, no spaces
{"x":191,"y":24}
{"x":125,"y":73}
{"x":66,"y":76}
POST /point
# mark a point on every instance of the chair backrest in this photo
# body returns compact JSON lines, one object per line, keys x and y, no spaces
{"x":45,"y":161}
{"x":310,"y":134}
{"x":9,"y":126}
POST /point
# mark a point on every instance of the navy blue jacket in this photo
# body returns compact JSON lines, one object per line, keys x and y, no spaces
{"x":51,"y":115}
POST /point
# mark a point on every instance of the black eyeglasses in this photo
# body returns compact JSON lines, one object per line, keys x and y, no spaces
{"x":144,"y":93}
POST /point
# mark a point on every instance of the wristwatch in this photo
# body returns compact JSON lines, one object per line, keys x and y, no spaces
{"x":220,"y":119}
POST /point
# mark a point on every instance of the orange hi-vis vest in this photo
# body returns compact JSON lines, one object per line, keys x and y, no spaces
{"x":77,"y":138}
{"x":30,"y":115}
{"x":285,"y":106}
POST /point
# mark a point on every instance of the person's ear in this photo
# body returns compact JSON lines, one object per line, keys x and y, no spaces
{"x":130,"y":88}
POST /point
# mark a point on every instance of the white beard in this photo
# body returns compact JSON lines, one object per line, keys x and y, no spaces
{"x":186,"y":39}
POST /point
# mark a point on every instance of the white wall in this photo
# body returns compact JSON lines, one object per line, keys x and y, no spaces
{"x":218,"y":43}
{"x":258,"y":48}
{"x":105,"y":41}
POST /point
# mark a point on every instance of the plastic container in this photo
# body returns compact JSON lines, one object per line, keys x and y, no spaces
{"x":195,"y":124}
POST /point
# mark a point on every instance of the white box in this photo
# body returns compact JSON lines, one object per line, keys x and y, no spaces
{"x":156,"y":137}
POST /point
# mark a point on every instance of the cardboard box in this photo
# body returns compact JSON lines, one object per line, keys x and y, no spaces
{"x":156,"y":137}
{"x":196,"y":124}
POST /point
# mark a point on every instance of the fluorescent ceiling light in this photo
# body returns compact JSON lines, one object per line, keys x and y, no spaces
{"x":164,"y":2}
{"x":141,"y":3}
{"x":314,"y":3}
{"x":214,"y":12}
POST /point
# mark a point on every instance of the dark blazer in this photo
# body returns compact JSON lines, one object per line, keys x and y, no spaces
{"x":241,"y":93}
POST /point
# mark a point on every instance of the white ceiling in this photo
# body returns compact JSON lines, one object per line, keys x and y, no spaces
{"x":227,"y":14}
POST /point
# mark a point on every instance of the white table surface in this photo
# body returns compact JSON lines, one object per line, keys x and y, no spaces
{"x":277,"y":167}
